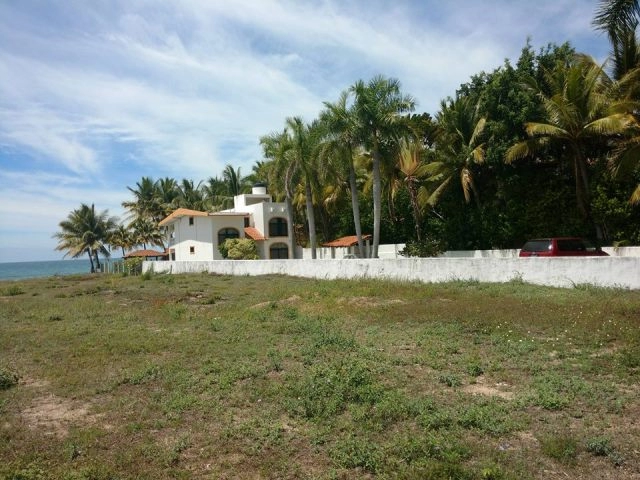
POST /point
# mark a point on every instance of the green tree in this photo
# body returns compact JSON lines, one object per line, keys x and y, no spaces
{"x":276,"y":147}
{"x":578,"y":121}
{"x":378,"y":108}
{"x":301,"y":156}
{"x":459,"y":147}
{"x":338,"y":151}
{"x":86,"y":231}
{"x":121,"y":237}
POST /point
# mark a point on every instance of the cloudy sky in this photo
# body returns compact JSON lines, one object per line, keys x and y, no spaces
{"x":96,"y":94}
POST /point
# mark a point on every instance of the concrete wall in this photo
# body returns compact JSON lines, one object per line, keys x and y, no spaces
{"x":623,"y":272}
{"x":391,"y":251}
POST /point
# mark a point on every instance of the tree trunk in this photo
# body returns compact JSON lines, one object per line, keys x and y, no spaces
{"x":377,"y":202}
{"x":311,"y":220}
{"x":355,"y":206}
{"x":95,"y":253}
{"x":93,"y":270}
{"x":416,"y":208}
{"x":290,"y":227}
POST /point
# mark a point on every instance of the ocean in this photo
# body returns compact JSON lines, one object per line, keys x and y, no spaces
{"x":22,"y":270}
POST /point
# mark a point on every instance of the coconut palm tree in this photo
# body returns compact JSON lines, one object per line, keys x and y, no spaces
{"x":190,"y":195}
{"x":145,"y":231}
{"x":378,"y":107}
{"x":145,"y":203}
{"x":459,"y":148}
{"x":619,"y":20}
{"x":276,"y":147}
{"x":578,"y":117}
{"x":235,"y":182}
{"x":338,"y":150}
{"x":121,"y":237}
{"x":301,"y":156}
{"x":85,"y":231}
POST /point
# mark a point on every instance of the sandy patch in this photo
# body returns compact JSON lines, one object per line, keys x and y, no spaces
{"x":500,"y":390}
{"x":54,"y":415}
{"x":292,"y":299}
{"x":369,"y":301}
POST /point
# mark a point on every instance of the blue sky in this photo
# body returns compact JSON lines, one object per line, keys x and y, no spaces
{"x":96,"y":94}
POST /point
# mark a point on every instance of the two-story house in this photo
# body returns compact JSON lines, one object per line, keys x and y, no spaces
{"x":196,"y":235}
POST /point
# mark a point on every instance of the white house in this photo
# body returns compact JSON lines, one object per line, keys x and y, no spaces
{"x":196,"y":235}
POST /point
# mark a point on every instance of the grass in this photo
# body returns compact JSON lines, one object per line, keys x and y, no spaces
{"x":202,"y":376}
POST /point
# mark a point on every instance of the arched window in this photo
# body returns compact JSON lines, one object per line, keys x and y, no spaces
{"x":277,"y":227}
{"x":279,"y":250}
{"x":225,"y":233}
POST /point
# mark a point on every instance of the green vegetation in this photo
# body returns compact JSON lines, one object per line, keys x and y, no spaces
{"x":206,"y":376}
{"x":239,"y":249}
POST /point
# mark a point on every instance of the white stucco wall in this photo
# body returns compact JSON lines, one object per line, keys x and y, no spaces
{"x":623,"y":272}
{"x":391,"y":251}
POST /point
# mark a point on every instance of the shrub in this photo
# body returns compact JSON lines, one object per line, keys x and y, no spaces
{"x":563,"y":448}
{"x":239,"y":249}
{"x":429,"y":247}
{"x":7,"y":379}
{"x":13,"y":290}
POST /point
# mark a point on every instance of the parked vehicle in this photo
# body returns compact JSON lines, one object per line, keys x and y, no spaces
{"x":561,"y":247}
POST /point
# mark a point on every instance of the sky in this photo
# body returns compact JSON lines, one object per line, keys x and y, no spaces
{"x":96,"y":94}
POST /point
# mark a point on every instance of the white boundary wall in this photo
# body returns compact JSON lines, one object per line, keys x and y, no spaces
{"x":623,"y":272}
{"x":391,"y":251}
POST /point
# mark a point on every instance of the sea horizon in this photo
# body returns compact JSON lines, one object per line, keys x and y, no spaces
{"x":45,"y":268}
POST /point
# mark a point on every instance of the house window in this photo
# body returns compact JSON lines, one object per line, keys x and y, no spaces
{"x":192,"y":250}
{"x":226,"y":233}
{"x":190,"y":220}
{"x":246,"y":222}
{"x":277,"y":227}
{"x":279,"y":250}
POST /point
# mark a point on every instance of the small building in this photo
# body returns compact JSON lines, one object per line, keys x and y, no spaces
{"x":149,"y":255}
{"x":347,"y":247}
{"x":196,"y":235}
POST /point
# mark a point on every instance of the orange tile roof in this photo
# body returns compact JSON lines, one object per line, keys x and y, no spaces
{"x":145,"y":253}
{"x":253,"y":233}
{"x":182,"y":212}
{"x":348,"y":241}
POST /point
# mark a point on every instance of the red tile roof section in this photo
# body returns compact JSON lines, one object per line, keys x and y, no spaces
{"x":145,"y":253}
{"x":349,"y":241}
{"x":182,"y":212}
{"x":253,"y":233}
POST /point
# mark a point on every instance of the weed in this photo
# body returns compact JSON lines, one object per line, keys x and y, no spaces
{"x":561,"y":447}
{"x":630,"y":357}
{"x":475,"y":369}
{"x":8,"y":379}
{"x":13,"y":290}
{"x":450,"y":380}
{"x":599,"y":446}
{"x":357,"y":452}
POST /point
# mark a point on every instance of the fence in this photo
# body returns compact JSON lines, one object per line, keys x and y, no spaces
{"x":622,"y":272}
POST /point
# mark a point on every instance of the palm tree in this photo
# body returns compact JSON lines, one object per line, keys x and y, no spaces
{"x":619,"y":20}
{"x":301,"y":157}
{"x":378,"y":106}
{"x":578,"y":116}
{"x":190,"y":195}
{"x":145,"y":232}
{"x":339,"y":148}
{"x":121,"y":237}
{"x":413,"y":170}
{"x":458,"y":147}
{"x":167,"y":193}
{"x":276,"y":147}
{"x":234,"y":181}
{"x":145,"y":203}
{"x":85,"y":231}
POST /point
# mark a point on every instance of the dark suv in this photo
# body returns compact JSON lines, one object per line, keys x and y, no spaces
{"x":560,"y":247}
